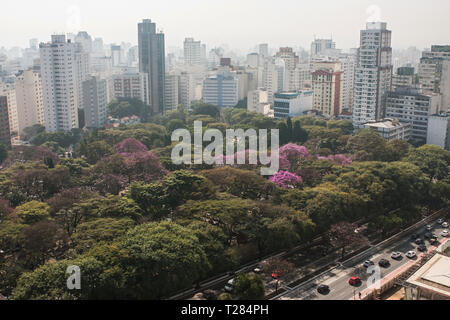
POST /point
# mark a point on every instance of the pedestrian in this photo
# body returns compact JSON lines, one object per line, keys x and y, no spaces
{"x":360,"y":296}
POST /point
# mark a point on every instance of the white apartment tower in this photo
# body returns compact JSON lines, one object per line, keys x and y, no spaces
{"x":192,"y":52}
{"x":64,"y":67}
{"x":373,"y":75}
{"x":29,"y":100}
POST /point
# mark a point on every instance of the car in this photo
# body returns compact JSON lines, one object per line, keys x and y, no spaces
{"x":428,"y":227}
{"x":258,"y":269}
{"x":418,"y":241}
{"x":422,"y":248}
{"x":445,"y":225}
{"x":323,"y":289}
{"x":411,"y":254}
{"x":427,"y":235}
{"x":433,"y":239}
{"x":414,"y":236}
{"x":354,"y":281}
{"x":396,"y":255}
{"x":368,"y":263}
{"x":440,"y":221}
{"x":384,"y":263}
{"x":229,"y":286}
{"x":444,"y":233}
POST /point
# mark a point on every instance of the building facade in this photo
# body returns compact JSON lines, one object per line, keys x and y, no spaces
{"x":5,"y":136}
{"x":327,"y":81}
{"x":130,"y":85}
{"x":152,"y":62}
{"x":373,"y":75}
{"x":292,"y":104}
{"x":221,"y":90}
{"x":95,"y":102}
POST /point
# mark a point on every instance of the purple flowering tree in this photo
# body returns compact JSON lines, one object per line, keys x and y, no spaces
{"x":339,"y":159}
{"x":286,"y":179}
{"x":130,"y":145}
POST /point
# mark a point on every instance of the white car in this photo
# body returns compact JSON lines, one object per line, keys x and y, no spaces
{"x":411,"y":254}
{"x":440,"y":221}
{"x":396,"y":255}
{"x":428,"y":227}
{"x":445,"y":225}
{"x":444,"y":233}
{"x":368,"y":263}
{"x":229,"y":286}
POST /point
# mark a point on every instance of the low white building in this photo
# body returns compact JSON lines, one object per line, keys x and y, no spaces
{"x":292,"y":104}
{"x":390,"y":129}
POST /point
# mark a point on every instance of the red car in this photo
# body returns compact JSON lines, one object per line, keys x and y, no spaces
{"x":354,"y":281}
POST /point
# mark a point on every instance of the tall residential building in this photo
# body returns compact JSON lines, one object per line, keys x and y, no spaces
{"x":303,"y":76}
{"x":64,"y":67}
{"x":171,"y":91}
{"x":373,"y":76}
{"x":192,"y":52}
{"x":327,"y":88}
{"x":5,"y":136}
{"x":263,"y":50}
{"x":152,"y":62}
{"x":439,"y":130}
{"x":320,"y":46}
{"x":187,"y":88}
{"x":8,"y":90}
{"x":130,"y":85}
{"x":405,"y":77}
{"x":221,"y":90}
{"x":95,"y":102}
{"x":290,"y":60}
{"x":348,"y":62}
{"x":29,"y":100}
{"x":408,"y":105}
{"x":256,"y":100}
{"x":434,"y":73}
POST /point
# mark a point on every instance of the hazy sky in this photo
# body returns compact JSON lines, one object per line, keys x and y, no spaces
{"x":239,"y":23}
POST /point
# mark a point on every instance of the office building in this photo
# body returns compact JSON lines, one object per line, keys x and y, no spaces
{"x":292,"y":104}
{"x":192,"y":52}
{"x":390,"y":129}
{"x":409,"y":106}
{"x":152,"y":62}
{"x":439,"y":130}
{"x":221,"y":90}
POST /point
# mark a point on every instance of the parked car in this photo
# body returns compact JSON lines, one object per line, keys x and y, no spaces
{"x":418,"y":241}
{"x":229,"y":286}
{"x":384,"y":263}
{"x":428,"y":227}
{"x":323,"y":289}
{"x":422,"y":248}
{"x":368,"y":263}
{"x":428,"y":235}
{"x":414,"y":236}
{"x":354,"y":281}
{"x":411,"y":254}
{"x":444,"y":233}
{"x":445,"y":225}
{"x":440,"y":221}
{"x":396,"y":255}
{"x":433,"y":239}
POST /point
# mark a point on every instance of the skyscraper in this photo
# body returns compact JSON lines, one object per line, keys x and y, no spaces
{"x":5,"y":137}
{"x":373,"y":76}
{"x":192,"y":51}
{"x":152,"y":62}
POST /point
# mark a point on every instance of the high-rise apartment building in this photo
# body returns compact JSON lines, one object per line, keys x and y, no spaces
{"x":8,"y":90}
{"x":64,"y":67}
{"x":373,"y":75}
{"x":5,"y":136}
{"x":348,"y":63}
{"x":322,"y":46}
{"x":95,"y":102}
{"x":29,"y":99}
{"x":192,"y":52}
{"x":434,"y":73}
{"x":405,"y":77}
{"x":327,"y":87}
{"x":171,"y":91}
{"x":130,"y":85}
{"x":152,"y":62}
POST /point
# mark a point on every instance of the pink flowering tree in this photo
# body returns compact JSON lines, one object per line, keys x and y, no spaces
{"x":290,"y":155}
{"x":286,"y":179}
{"x":339,"y":159}
{"x":130,"y":145}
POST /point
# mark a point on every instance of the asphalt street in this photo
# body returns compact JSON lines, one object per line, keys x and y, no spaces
{"x":337,"y":279}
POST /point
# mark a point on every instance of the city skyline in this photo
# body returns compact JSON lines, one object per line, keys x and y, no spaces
{"x":232,"y":23}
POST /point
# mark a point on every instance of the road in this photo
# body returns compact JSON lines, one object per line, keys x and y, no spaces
{"x":337,"y":279}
